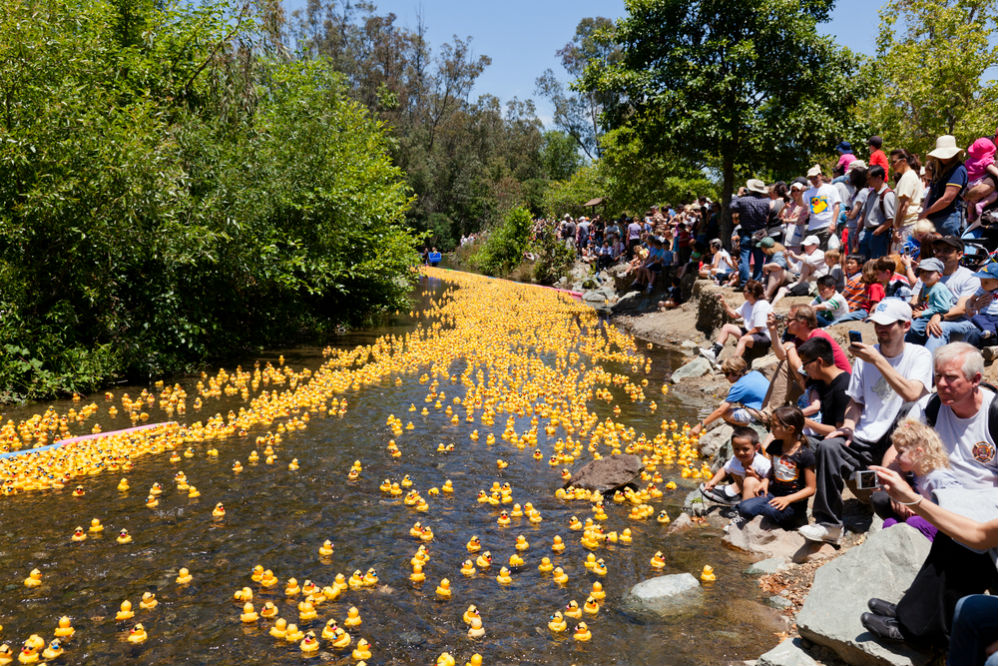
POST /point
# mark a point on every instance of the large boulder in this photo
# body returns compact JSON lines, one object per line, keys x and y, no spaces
{"x":696,"y":367}
{"x":715,"y":439}
{"x":600,"y":299}
{"x":607,"y":474}
{"x":659,"y":598}
{"x":787,"y":653}
{"x":762,"y":537}
{"x":883,"y":566}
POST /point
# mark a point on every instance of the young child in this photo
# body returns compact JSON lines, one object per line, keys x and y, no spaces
{"x":934,"y":297}
{"x":833,"y":259}
{"x":829,"y":304}
{"x":920,"y":453}
{"x":748,"y":469}
{"x":791,"y":477}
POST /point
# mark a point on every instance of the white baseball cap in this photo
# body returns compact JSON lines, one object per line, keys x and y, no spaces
{"x":889,"y":311}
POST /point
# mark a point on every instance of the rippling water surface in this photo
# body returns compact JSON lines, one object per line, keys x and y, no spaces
{"x":278,"y":518}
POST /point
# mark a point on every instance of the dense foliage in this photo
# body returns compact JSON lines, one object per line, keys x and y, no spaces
{"x":504,"y":246}
{"x":171,"y":191}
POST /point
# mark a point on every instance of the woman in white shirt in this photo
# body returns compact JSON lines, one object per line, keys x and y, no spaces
{"x":753,"y":333}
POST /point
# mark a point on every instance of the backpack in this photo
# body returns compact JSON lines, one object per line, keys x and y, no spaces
{"x":932,"y":411}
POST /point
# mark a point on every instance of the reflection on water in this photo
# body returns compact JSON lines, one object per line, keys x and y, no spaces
{"x":279,"y":518}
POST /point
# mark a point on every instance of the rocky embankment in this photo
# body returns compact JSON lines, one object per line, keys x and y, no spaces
{"x":820,"y":589}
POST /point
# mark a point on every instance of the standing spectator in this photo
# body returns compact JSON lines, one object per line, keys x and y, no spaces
{"x":854,"y":205}
{"x":960,"y":280}
{"x":944,"y":202}
{"x":822,"y":201}
{"x":885,"y":377}
{"x":568,"y":232}
{"x":753,"y":216}
{"x":792,"y":217}
{"x":582,"y":234}
{"x":877,"y":155}
{"x":846,"y":156}
{"x":633,"y":236}
{"x":909,"y":195}
{"x":878,"y":215}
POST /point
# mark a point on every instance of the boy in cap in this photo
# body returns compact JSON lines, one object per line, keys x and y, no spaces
{"x":934,"y":297}
{"x":982,"y":308}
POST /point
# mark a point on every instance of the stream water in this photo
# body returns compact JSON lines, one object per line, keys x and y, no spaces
{"x":278,"y":518}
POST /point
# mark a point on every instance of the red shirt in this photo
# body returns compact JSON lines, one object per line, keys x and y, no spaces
{"x":879,"y":157}
{"x":841,"y":360}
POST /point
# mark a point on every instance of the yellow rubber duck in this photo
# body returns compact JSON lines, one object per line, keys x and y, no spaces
{"x":306,"y":611}
{"x":342,"y":639}
{"x":352,"y":618}
{"x":599,"y":568}
{"x":445,"y":659}
{"x":521,"y":543}
{"x":35,"y":641}
{"x":468,"y":568}
{"x":474,"y":544}
{"x":356,"y":581}
{"x":573,"y":610}
{"x":268,"y":579}
{"x":184,"y":576}
{"x":137,"y":634}
{"x":293,"y":467}
{"x":476,"y":630}
{"x":591,"y":606}
{"x":476,"y":660}
{"x":237,"y":467}
{"x":95,"y":526}
{"x":54,"y":650}
{"x":582,"y":632}
{"x":293,"y":634}
{"x":516,"y":561}
{"x":590,"y":561}
{"x":123,"y":486}
{"x":557,"y":623}
{"x":280,"y":628}
{"x":309,"y":588}
{"x":625,"y":536}
{"x":34,"y":579}
{"x":598,"y":592}
{"x":662,"y":518}
{"x":443,"y":590}
{"x":326,"y":549}
{"x":6,"y":655}
{"x":448,"y":487}
{"x":484,"y":560}
{"x":269,"y":610}
{"x":574,"y":524}
{"x":558,"y":546}
{"x":331,"y":592}
{"x":658,"y":560}
{"x":243,"y":595}
{"x":124,"y":537}
{"x":329,"y":631}
{"x":125,"y":612}
{"x":559,"y":576}
{"x":503,"y":520}
{"x":417,"y":575}
{"x":504,"y":578}
{"x":218,"y":511}
{"x":370,"y":578}
{"x":309,"y":643}
{"x":291,"y":588}
{"x":77,"y":492}
{"x":148,"y":601}
{"x":65,"y":628}
{"x":545,"y":566}
{"x":707,"y":575}
{"x":470,"y":613}
{"x":362,"y":651}
{"x":152,"y":502}
{"x":249,"y":614}
{"x":28,"y":655}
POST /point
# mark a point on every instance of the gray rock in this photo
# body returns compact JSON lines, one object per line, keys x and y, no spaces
{"x":787,"y":653}
{"x":776,"y":601}
{"x":632,"y":302}
{"x":681,"y":523}
{"x":769,"y":565}
{"x":882,"y":566}
{"x":714,"y":439}
{"x":764,"y":538}
{"x":607,"y":474}
{"x":688,"y":344}
{"x":697,"y":367}
{"x":661,"y":597}
{"x":597,"y":300}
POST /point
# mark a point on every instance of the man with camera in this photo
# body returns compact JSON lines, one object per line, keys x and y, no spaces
{"x":885,"y":377}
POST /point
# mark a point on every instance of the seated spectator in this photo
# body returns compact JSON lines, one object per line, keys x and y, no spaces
{"x":649,"y":269}
{"x":921,"y":454}
{"x":722,"y":267}
{"x":833,"y":261}
{"x":753,"y":313}
{"x":923,"y":233}
{"x":885,"y":377}
{"x":829,"y":305}
{"x":791,"y":474}
{"x":895,"y":284}
{"x":748,"y":388}
{"x":941,"y":327}
{"x":604,"y":256}
{"x":982,"y":308}
{"x":748,"y":470}
{"x":981,"y":170}
{"x":827,"y":381}
{"x":934,"y":298}
{"x":872,"y":293}
{"x":812,"y":266}
{"x":774,"y":270}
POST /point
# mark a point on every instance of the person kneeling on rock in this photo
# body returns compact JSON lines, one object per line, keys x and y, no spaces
{"x":748,"y":388}
{"x":791,"y":475}
{"x":748,"y":469}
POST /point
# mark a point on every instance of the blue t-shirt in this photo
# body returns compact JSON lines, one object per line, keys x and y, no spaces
{"x":957,"y":177}
{"x":434,"y":258}
{"x":750,"y":390}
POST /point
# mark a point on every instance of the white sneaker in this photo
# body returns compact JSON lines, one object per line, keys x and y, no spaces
{"x":709,"y":355}
{"x":820,"y":532}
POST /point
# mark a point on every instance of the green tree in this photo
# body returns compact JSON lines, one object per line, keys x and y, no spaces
{"x":567,"y":196}
{"x":505,"y":244}
{"x":559,"y":155}
{"x":933,"y":57}
{"x":734,"y":85}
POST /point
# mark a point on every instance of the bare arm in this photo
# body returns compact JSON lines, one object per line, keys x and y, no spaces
{"x":941,"y":202}
{"x":910,"y":390}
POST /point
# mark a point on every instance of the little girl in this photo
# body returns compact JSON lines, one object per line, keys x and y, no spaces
{"x":921,"y":453}
{"x":791,"y":477}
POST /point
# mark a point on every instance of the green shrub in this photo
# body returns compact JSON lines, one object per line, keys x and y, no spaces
{"x":504,"y":247}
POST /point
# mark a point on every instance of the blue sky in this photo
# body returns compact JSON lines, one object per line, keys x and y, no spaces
{"x":522,"y":36}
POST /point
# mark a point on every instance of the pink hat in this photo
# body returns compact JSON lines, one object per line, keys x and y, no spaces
{"x":981,"y":155}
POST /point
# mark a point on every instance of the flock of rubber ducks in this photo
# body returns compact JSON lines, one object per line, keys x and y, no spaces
{"x":553,"y":397}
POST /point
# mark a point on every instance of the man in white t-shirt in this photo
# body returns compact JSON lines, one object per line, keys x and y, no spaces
{"x":822,"y":203}
{"x":812,"y":266}
{"x":960,"y":280}
{"x":885,"y":377}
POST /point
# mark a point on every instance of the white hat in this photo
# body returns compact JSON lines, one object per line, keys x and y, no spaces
{"x":889,"y":311}
{"x":855,"y":164}
{"x":814,"y":171}
{"x":757,"y":186}
{"x":945,"y":147}
{"x":811,"y":240}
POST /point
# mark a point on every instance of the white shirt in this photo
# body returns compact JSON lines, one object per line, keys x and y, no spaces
{"x":821,"y":201}
{"x":755,"y":316}
{"x":972,"y":459}
{"x":816,"y":260}
{"x":910,"y":185}
{"x":760,"y":464}
{"x":961,"y":282}
{"x":881,"y":403}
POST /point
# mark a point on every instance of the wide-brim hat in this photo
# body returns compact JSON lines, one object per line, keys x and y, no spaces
{"x":946,"y":148}
{"x":988,"y":272}
{"x":757,"y":186}
{"x":844,"y":147}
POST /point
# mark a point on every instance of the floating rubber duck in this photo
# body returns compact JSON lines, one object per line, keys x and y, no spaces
{"x":362,"y":651}
{"x":269,"y":610}
{"x":504,"y":578}
{"x":152,"y":502}
{"x":625,"y":536}
{"x":184,"y":576}
{"x":326,"y":549}
{"x":293,"y":467}
{"x":448,"y":487}
{"x":65,"y":628}
{"x":308,"y":588}
{"x":370,"y":578}
{"x":193,"y":492}
{"x":658,"y":560}
{"x":590,"y":562}
{"x":54,"y":650}
{"x":484,"y":560}
{"x":79,"y":491}
{"x":356,"y":580}
{"x":598,"y":592}
{"x":148,"y":601}
{"x":329,"y":631}
{"x":559,"y":576}
{"x":352,"y":618}
{"x":557,"y":623}
{"x":95,"y":526}
{"x":331,"y":592}
{"x":28,"y":655}
{"x":443,"y":590}
{"x":342,"y":639}
{"x":707,"y":575}
{"x":516,"y":561}
{"x":521,"y":543}
{"x":280,"y":628}
{"x":249,"y":614}
{"x":445,"y":659}
{"x":309,"y":643}
{"x":123,"y":486}
{"x":582,"y":632}
{"x":470,"y":613}
{"x":468,"y":568}
{"x":124,"y":537}
{"x":545,"y":566}
{"x":600,"y":567}
{"x":6,"y":655}
{"x":218,"y":511}
{"x":306,"y":611}
{"x":34,"y":579}
{"x":268,"y":579}
{"x":137,"y":634}
{"x":293,"y":634}
{"x":291,"y":588}
{"x":35,"y":641}
{"x":558,"y":546}
{"x":474,"y":544}
{"x":476,"y":660}
{"x":417,"y":575}
{"x":574,"y":524}
{"x":476,"y":630}
{"x":662,"y":518}
{"x":591,"y":606}
{"x":125,"y":612}
{"x":243,"y":595}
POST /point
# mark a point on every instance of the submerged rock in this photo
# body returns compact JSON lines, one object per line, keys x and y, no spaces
{"x":661,"y":597}
{"x":607,"y":474}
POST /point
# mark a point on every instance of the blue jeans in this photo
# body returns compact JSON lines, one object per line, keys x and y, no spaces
{"x":965,"y":328}
{"x":792,"y":517}
{"x":873,"y":246}
{"x":855,"y":315}
{"x":951,"y":225}
{"x":975,"y":626}
{"x":750,"y":251}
